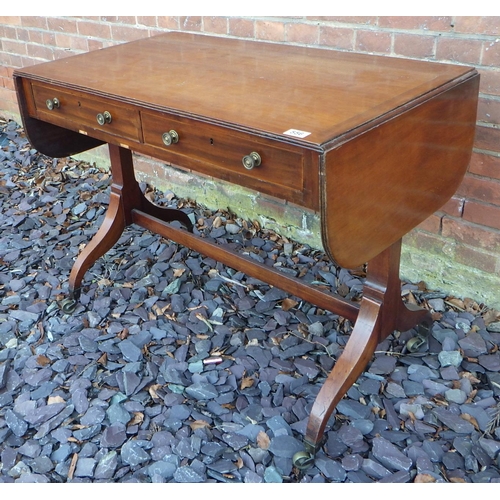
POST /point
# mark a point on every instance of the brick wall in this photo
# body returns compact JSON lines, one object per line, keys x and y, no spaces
{"x":456,"y":249}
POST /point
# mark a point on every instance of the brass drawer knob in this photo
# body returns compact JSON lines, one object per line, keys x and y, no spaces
{"x":52,"y":103}
{"x":252,"y":160}
{"x":103,"y":118}
{"x":169,"y":138}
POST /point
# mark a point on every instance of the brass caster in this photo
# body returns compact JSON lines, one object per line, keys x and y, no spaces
{"x":303,"y":460}
{"x":415,"y":343}
{"x":68,"y":305}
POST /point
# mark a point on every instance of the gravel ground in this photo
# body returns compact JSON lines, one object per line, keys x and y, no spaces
{"x":174,"y":368}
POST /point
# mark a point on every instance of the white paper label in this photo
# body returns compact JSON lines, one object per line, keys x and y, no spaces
{"x":297,"y":133}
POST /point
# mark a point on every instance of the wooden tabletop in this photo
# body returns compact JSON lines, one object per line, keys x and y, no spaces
{"x":249,"y":85}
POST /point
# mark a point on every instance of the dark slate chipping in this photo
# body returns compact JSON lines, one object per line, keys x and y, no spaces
{"x":285,"y":446}
{"x":187,"y":474}
{"x":390,"y":456}
{"x":176,"y":369}
{"x":17,"y":425}
{"x":133,"y":454}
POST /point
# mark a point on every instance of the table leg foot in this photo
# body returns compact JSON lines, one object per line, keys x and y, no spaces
{"x":303,"y":460}
{"x":68,"y":305}
{"x":424,"y":320}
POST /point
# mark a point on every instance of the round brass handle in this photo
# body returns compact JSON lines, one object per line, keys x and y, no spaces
{"x":103,"y":118}
{"x":52,"y":103}
{"x":169,"y":138}
{"x":252,"y":160}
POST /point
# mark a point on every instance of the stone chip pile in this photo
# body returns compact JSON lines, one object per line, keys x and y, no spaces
{"x":175,"y":368}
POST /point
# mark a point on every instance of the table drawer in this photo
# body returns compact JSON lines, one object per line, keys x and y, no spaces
{"x":81,"y":112}
{"x":220,"y":153}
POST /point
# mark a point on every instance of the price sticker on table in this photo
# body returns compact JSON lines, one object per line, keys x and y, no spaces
{"x":297,"y":133}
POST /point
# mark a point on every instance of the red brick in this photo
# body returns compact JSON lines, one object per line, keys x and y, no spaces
{"x":11,"y":20}
{"x":471,"y":234}
{"x":242,"y":27}
{"x":36,"y":36}
{"x":7,"y":95}
{"x":150,"y":21}
{"x":302,"y":33}
{"x":155,"y":31}
{"x":190,"y":23}
{"x":62,"y":53}
{"x":480,"y":213}
{"x":14,"y":47}
{"x":416,"y":23}
{"x":155,"y":170}
{"x":485,"y":165}
{"x":168,"y":22}
{"x":61,"y":25}
{"x":130,"y":20}
{"x":475,"y":258}
{"x":38,"y":22}
{"x":22,"y":34}
{"x":9,"y":107}
{"x":9,"y":60}
{"x":465,"y":51}
{"x":270,"y":30}
{"x":41,"y":52}
{"x":110,"y":43}
{"x":215,"y":24}
{"x":373,"y":41}
{"x":480,"y":189}
{"x":49,"y":38}
{"x":413,"y":45}
{"x":491,"y":53}
{"x":480,"y":25}
{"x":454,"y":206}
{"x":5,"y":59}
{"x":432,"y":224}
{"x":8,"y":32}
{"x":360,"y":20}
{"x":17,"y":61}
{"x":339,"y":38}
{"x":490,"y":81}
{"x":8,"y":83}
{"x":145,"y":166}
{"x":72,"y":42}
{"x":426,"y":241}
{"x":488,"y":110}
{"x":93,"y":29}
{"x":271,"y":205}
{"x":95,"y":44}
{"x":122,"y":33}
{"x":487,"y":138}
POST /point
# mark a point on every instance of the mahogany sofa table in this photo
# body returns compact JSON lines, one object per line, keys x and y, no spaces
{"x":374,"y":144}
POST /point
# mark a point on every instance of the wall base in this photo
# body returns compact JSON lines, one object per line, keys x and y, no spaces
{"x":433,"y":264}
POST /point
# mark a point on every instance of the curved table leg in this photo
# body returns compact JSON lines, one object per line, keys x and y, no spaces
{"x":381,"y":312}
{"x":357,"y":353}
{"x":107,"y":235}
{"x":126,"y":196}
